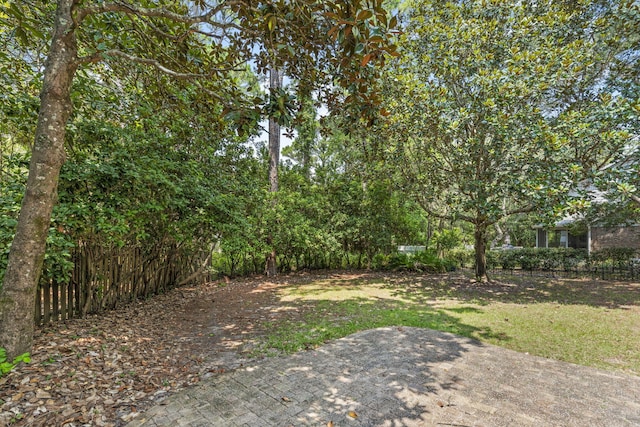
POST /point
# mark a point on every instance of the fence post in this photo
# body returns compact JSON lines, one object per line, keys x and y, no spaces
{"x":63,"y":301}
{"x":38,"y":313}
{"x":46,"y":290}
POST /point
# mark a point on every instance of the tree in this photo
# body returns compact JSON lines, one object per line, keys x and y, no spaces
{"x":620,"y":177}
{"x":361,"y":31}
{"x":212,"y":42}
{"x":275,"y":87}
{"x":83,"y":35}
{"x":497,"y":108}
{"x":306,"y":127}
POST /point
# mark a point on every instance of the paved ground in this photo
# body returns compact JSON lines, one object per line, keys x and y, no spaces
{"x":405,"y":377}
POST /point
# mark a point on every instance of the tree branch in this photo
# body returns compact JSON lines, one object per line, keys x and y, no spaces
{"x":201,"y":270}
{"x":99,"y":56}
{"x":121,"y":6}
{"x":635,"y":199}
{"x":525,"y":209}
{"x":431,"y":212}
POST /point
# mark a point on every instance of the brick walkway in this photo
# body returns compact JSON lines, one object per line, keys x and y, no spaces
{"x":405,"y":377}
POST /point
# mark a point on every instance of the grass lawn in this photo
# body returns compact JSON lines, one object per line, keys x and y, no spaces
{"x":593,"y":323}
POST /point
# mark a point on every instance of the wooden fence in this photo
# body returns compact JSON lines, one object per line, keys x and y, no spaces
{"x":102,"y":278}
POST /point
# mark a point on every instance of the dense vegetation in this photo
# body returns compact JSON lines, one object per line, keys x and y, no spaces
{"x":466,"y":134}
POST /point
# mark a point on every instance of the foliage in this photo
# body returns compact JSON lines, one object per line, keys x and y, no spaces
{"x":203,"y":44}
{"x":447,"y":239}
{"x":6,"y":367}
{"x":619,"y":177}
{"x":616,"y":257}
{"x":484,"y":126}
{"x":135,"y":175}
{"x":424,"y":261}
{"x":567,"y":259}
{"x":328,"y":212}
{"x":57,"y":262}
{"x":463,"y":258}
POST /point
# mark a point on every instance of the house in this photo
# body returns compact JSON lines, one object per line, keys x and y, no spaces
{"x":575,"y":232}
{"x":565,"y":234}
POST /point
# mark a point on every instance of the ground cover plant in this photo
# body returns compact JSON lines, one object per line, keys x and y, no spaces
{"x":105,"y":370}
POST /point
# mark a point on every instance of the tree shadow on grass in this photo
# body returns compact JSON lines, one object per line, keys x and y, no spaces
{"x":396,"y":375}
{"x":514,"y":289}
{"x":324,"y":320}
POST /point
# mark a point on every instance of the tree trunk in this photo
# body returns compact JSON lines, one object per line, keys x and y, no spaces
{"x":307,"y":132}
{"x":275,"y":83}
{"x":17,"y":297}
{"x":480,"y":247}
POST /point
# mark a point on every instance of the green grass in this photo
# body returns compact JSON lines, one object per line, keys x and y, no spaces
{"x":588,"y":323}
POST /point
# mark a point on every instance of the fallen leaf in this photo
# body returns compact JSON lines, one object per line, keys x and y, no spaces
{"x":330,"y":424}
{"x":285,"y":399}
{"x":352,"y":414}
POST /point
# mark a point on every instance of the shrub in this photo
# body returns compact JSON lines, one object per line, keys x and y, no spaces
{"x":425,"y":261}
{"x":461,"y":257}
{"x":446,"y":240}
{"x":380,"y":262}
{"x":617,"y":257}
{"x":493,"y":259}
{"x":571,"y":258}
{"x":399,"y":261}
{"x":428,"y":261}
{"x":509,"y":258}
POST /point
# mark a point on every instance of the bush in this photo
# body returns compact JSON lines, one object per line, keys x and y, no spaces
{"x":493,"y":259}
{"x":571,"y":258}
{"x":428,"y":261}
{"x":425,"y":261}
{"x":57,"y":262}
{"x":530,"y":259}
{"x":399,"y":261}
{"x":380,"y":262}
{"x":615,"y":257}
{"x":509,"y":259}
{"x":538,"y":258}
{"x":462,"y":257}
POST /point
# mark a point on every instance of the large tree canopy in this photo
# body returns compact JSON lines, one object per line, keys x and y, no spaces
{"x":499,"y":108}
{"x":321,"y":42}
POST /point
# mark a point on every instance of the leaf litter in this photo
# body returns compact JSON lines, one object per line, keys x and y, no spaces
{"x":104,"y":370}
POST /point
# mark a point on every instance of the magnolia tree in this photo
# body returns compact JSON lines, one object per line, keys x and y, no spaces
{"x":498,"y":108}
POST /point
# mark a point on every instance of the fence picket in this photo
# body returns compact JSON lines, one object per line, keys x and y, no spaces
{"x":63,"y":301}
{"x":102,"y":278}
{"x":46,"y":290}
{"x":38,"y":314}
